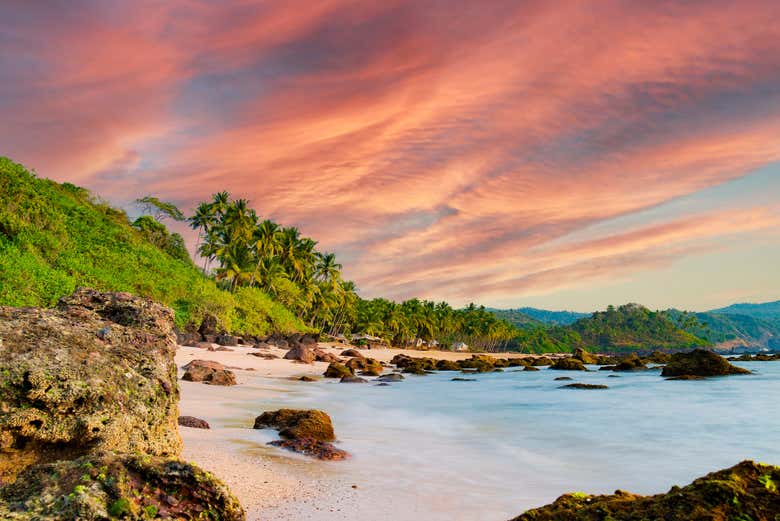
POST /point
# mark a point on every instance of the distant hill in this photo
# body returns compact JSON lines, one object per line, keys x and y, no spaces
{"x":517,"y":318}
{"x":769,"y":311}
{"x":56,"y":237}
{"x":633,"y":327}
{"x":729,"y":330}
{"x":561,"y":318}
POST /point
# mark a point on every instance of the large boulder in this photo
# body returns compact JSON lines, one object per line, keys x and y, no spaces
{"x":568,"y":364}
{"x":337,"y":370}
{"x":114,"y":486}
{"x":193,"y":422}
{"x":208,"y":326}
{"x":631,"y":362}
{"x":96,"y":373}
{"x":352,"y":353}
{"x":208,"y":372}
{"x":298,"y":423}
{"x":700,"y":362}
{"x":747,"y":490}
{"x":584,"y":357}
{"x":301,"y":353}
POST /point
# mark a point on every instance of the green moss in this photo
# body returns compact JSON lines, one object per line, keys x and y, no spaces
{"x":120,"y":507}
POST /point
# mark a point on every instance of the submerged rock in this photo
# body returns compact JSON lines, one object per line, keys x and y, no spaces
{"x":392,"y":377}
{"x":307,"y":379}
{"x":531,"y":368}
{"x":700,"y":362}
{"x":464,"y":380}
{"x":745,"y":491}
{"x":298,"y":423}
{"x":687,"y":377}
{"x":353,"y":380}
{"x":110,"y":486}
{"x":192,"y":421}
{"x":311,"y":447}
{"x":208,"y":372}
{"x":66,"y":390}
{"x":583,"y":386}
{"x":630,"y":363}
{"x":562,"y":378}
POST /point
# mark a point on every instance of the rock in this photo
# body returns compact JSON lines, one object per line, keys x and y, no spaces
{"x":298,"y":423}
{"x":630,"y":363}
{"x":583,"y":356}
{"x":311,"y":447}
{"x":336,"y":370}
{"x":208,"y":372}
{"x":531,"y":368}
{"x":227,"y":340}
{"x":541,"y":360}
{"x":392,"y":377}
{"x":613,"y":376}
{"x":583,"y":386}
{"x":204,"y":345}
{"x":657,"y":357}
{"x":64,"y":391}
{"x":307,"y":379}
{"x":262,"y":345}
{"x":563,"y":378}
{"x":352,"y":353}
{"x":568,"y":364}
{"x":324,"y":356}
{"x":221,"y":348}
{"x":353,"y":380}
{"x":187,"y":338}
{"x":747,"y":490}
{"x":700,"y":362}
{"x":301,"y":353}
{"x":192,"y":421}
{"x":208,"y":326}
{"x":308,"y":340}
{"x":382,"y":384}
{"x":107,"y":485}
{"x":265,"y":356}
{"x":368,"y":365}
{"x":687,"y":377}
{"x":463,"y":379}
{"x":447,"y":365}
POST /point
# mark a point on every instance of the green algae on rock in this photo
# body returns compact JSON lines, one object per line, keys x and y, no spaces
{"x":746,"y":491}
{"x":568,"y":364}
{"x":337,"y":370}
{"x":700,"y":362}
{"x":107,"y":486}
{"x":96,"y":373}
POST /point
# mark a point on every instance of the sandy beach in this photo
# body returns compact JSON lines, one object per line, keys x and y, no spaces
{"x":270,"y":483}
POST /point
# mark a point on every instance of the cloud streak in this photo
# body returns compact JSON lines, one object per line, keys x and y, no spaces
{"x":443,"y":150}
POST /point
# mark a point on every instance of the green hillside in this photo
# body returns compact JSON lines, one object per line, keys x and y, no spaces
{"x":517,"y":318}
{"x":633,"y":327}
{"x":559,"y":318}
{"x":725,"y":327}
{"x":768,"y":311}
{"x":56,"y":237}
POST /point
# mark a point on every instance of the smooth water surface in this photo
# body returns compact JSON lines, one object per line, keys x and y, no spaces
{"x":430,"y":448}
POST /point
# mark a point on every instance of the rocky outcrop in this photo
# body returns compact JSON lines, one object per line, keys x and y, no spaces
{"x":336,"y":370}
{"x":368,"y":366}
{"x":208,"y":372}
{"x":306,"y":431}
{"x":95,"y":373}
{"x":193,"y":422}
{"x":106,"y":485}
{"x":700,"y":362}
{"x":88,"y":415}
{"x":584,"y":357}
{"x":747,"y":490}
{"x":568,"y":364}
{"x":657,"y":357}
{"x":630,"y":363}
{"x":301,"y":353}
{"x":298,"y":423}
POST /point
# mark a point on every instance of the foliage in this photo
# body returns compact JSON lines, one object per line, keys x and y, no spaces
{"x":55,"y":237}
{"x":559,"y":318}
{"x":723,"y":327}
{"x":160,"y":209}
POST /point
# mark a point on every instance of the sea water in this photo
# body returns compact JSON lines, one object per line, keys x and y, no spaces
{"x":430,"y":448}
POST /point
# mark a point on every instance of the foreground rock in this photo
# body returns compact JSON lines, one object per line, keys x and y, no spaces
{"x":700,"y":362}
{"x":96,"y":373}
{"x":337,"y":370}
{"x":193,"y":422}
{"x":88,"y":416}
{"x":208,"y":372}
{"x":298,"y":423}
{"x":305,"y":431}
{"x":745,"y":491}
{"x":111,"y":486}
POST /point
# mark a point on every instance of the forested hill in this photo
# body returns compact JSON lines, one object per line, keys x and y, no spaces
{"x":729,"y":330}
{"x":768,"y":311}
{"x":558,"y":318}
{"x":56,"y":237}
{"x":633,"y":327}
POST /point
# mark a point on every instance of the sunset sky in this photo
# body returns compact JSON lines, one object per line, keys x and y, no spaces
{"x":565,"y":155}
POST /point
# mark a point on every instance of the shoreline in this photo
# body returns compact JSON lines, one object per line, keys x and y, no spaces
{"x":269,"y":483}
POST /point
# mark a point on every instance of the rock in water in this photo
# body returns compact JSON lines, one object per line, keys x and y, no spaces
{"x":568,"y":364}
{"x":700,"y":362}
{"x":583,"y":386}
{"x":311,"y":447}
{"x":745,"y":491}
{"x":65,"y":391}
{"x":583,"y":356}
{"x":337,"y":370}
{"x":208,"y":372}
{"x":298,"y":423}
{"x":192,"y":421}
{"x":113,"y":486}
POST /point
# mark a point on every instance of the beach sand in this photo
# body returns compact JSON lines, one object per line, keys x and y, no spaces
{"x":269,"y":483}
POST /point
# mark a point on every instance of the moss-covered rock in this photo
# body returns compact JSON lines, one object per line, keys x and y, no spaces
{"x":657,"y":357}
{"x":568,"y":364}
{"x":700,"y":362}
{"x":631,"y":362}
{"x":746,"y":491}
{"x":584,"y":357}
{"x":337,"y":370}
{"x":369,"y":366}
{"x":298,"y":423}
{"x":447,"y":365}
{"x":539,"y":361}
{"x":96,"y":373}
{"x":107,"y":485}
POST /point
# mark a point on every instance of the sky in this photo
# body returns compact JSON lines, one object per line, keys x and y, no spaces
{"x":567,"y":155}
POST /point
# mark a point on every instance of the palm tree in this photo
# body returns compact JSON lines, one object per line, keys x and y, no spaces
{"x":327,"y":269}
{"x":266,"y":242}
